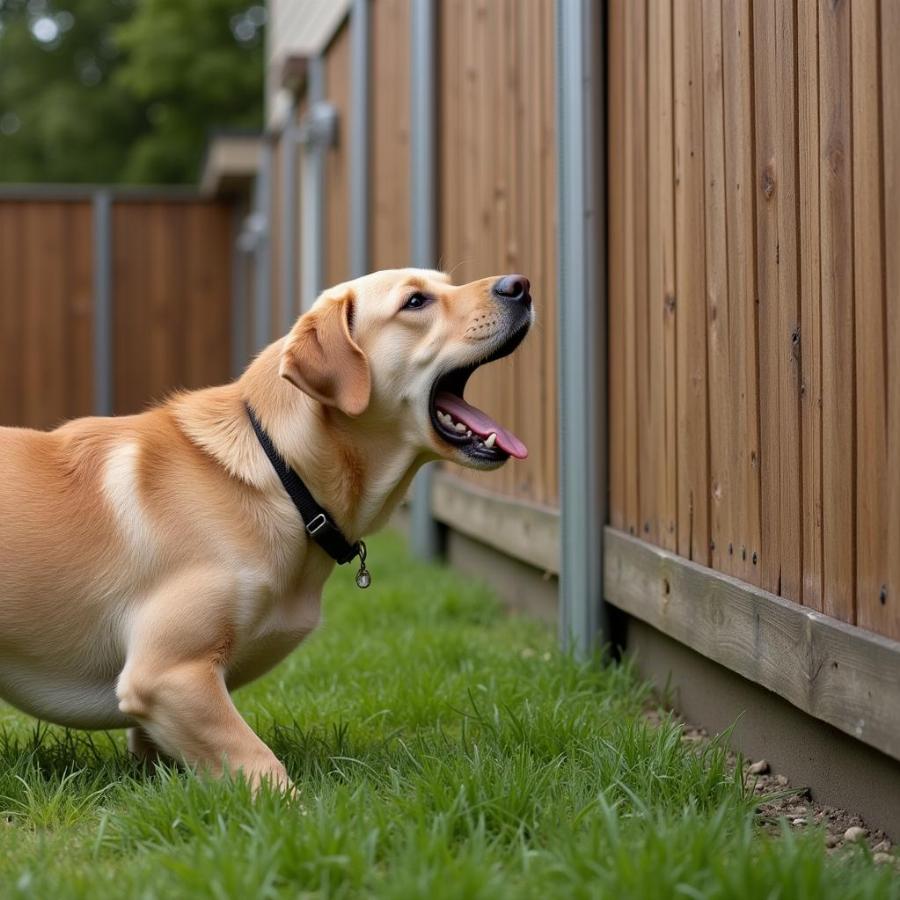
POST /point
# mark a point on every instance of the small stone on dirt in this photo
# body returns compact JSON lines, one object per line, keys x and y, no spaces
{"x":855,"y":833}
{"x":798,"y":822}
{"x":781,"y":781}
{"x":759,"y":768}
{"x":882,"y":859}
{"x":832,"y":840}
{"x":882,"y":847}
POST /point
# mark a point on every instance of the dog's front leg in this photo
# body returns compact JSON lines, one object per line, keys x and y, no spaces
{"x":173,"y":686}
{"x":187,"y":713}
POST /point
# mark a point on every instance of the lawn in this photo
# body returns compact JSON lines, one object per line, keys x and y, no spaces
{"x":443,"y":749}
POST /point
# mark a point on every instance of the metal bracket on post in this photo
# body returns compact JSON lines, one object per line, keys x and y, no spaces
{"x":581,"y":267}
{"x":425,"y":537}
{"x":319,"y":128}
{"x":103,"y":300}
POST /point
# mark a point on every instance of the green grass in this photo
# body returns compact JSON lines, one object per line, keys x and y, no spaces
{"x":443,"y":750}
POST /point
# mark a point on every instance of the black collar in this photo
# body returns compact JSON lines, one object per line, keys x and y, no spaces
{"x":319,"y":525}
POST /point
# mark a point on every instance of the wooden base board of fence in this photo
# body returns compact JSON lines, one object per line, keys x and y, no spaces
{"x":843,"y":675}
{"x":522,"y":530}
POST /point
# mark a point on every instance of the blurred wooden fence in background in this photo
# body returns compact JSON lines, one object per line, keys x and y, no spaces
{"x":170,"y":280}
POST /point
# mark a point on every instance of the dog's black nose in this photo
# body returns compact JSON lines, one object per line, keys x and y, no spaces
{"x":513,"y":287}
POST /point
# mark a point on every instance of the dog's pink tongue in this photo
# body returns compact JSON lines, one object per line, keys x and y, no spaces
{"x":481,"y":424}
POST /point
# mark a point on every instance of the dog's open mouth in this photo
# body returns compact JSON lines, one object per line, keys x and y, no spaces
{"x":462,"y":425}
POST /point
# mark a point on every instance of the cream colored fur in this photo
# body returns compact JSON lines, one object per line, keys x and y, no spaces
{"x":150,"y":564}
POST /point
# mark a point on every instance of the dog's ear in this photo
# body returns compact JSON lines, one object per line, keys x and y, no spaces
{"x":321,"y":358}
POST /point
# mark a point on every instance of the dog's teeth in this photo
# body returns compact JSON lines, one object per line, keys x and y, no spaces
{"x":460,"y":427}
{"x":468,"y":433}
{"x":491,"y":441}
{"x":443,"y":417}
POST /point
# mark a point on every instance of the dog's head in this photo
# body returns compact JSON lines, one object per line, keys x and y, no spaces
{"x":395,"y":349}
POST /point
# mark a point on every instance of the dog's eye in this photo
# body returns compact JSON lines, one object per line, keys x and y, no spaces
{"x":417,"y":301}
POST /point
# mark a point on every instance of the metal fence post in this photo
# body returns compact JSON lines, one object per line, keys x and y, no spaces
{"x":238,"y":299}
{"x":262,"y":312}
{"x":360,"y":146}
{"x":582,"y":320}
{"x":103,"y":338}
{"x":425,"y":534}
{"x":313,"y":206}
{"x":289,"y":246}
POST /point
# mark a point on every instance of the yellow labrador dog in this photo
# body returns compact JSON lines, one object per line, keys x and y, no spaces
{"x":150,"y":564}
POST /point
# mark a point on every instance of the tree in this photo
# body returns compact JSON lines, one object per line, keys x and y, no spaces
{"x":123,"y":90}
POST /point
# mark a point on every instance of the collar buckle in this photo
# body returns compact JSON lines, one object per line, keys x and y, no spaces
{"x":317,"y":524}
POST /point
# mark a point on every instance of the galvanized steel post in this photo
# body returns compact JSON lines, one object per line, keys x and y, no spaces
{"x":360,"y":145}
{"x":582,"y":320}
{"x":425,"y":533}
{"x":103,"y":340}
{"x":289,"y":246}
{"x":261,"y":225}
{"x":313,"y":215}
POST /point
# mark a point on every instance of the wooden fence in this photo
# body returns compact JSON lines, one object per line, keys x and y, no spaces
{"x":170,"y":272}
{"x":498,"y":207}
{"x":754,"y":278}
{"x":496,"y":174}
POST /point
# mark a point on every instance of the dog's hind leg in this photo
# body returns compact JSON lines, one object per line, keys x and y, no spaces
{"x":141,"y":746}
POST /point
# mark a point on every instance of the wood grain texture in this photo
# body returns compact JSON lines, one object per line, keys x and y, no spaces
{"x":660,"y":223}
{"x":12,"y":316}
{"x":810,"y":302}
{"x":872,"y":549}
{"x":838,"y":396}
{"x":722,"y":481}
{"x":786,"y":394}
{"x":837,"y":673}
{"x":389,"y":94}
{"x":618,"y":376}
{"x":886,"y":618}
{"x":693,"y":538}
{"x":778,"y":308}
{"x":337,"y":160}
{"x":739,"y":215}
{"x":526,"y":531}
{"x":496,"y":162}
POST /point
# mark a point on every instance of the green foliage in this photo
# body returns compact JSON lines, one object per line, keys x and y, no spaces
{"x":442,"y":750}
{"x":123,"y":90}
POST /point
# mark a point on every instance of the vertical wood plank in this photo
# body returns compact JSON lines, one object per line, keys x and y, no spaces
{"x":12,"y":315}
{"x":887,"y":620}
{"x":337,"y":162}
{"x":690,"y":291}
{"x":635,"y":207}
{"x":668,"y":486}
{"x":44,"y":344}
{"x":653,"y":430}
{"x":616,"y":238}
{"x":768,"y":182}
{"x":872,"y":577}
{"x":872,"y":549}
{"x":778,"y":313}
{"x":810,"y":300}
{"x":389,"y":97}
{"x":739,"y":210}
{"x":789,"y":372}
{"x":838,"y":401}
{"x":721,"y":412}
{"x":547,"y":226}
{"x":79,"y":316}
